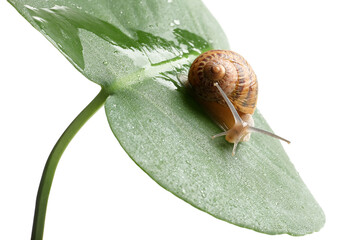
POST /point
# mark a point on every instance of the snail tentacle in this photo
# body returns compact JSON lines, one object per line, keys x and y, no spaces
{"x":254,"y":129}
{"x":234,"y":148}
{"x":230,"y":105}
{"x":219,"y":135}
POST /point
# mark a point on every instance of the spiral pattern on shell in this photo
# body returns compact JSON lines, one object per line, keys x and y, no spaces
{"x":234,"y":75}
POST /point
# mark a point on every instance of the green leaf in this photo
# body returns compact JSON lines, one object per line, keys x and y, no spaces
{"x":137,"y":51}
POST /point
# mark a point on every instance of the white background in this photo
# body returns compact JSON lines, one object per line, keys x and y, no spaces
{"x":306,"y":56}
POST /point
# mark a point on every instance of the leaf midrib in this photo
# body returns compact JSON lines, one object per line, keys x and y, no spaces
{"x":150,"y":71}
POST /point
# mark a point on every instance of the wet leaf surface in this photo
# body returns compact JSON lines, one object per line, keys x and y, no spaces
{"x":139,"y":51}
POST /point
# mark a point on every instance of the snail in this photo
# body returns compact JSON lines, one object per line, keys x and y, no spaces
{"x":226,"y":86}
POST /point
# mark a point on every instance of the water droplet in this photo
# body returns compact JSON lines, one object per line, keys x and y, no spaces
{"x":29,"y":7}
{"x":170,"y":1}
{"x":184,"y":48}
{"x":203,"y":193}
{"x":39,"y":19}
{"x":177,"y":22}
{"x":172,"y":24}
{"x":105,"y":63}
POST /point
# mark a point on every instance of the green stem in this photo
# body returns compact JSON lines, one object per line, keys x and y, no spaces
{"x":53,"y":160}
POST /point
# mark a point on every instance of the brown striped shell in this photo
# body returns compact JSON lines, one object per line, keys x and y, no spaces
{"x":234,"y":75}
{"x":226,"y":86}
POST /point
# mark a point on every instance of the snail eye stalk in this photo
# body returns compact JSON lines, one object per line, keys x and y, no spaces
{"x":254,"y":129}
{"x":230,"y":105}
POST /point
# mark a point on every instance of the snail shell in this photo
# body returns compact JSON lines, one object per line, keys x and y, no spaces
{"x":226,"y":85}
{"x":233,"y":74}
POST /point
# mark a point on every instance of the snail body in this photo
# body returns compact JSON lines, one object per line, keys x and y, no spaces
{"x":226,"y":85}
